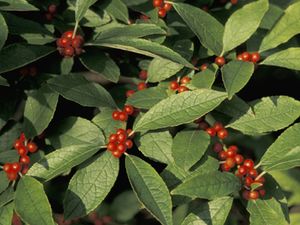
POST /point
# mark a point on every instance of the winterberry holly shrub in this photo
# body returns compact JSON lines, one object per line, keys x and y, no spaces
{"x":149,"y":112}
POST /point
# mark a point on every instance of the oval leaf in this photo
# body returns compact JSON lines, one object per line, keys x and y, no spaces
{"x":238,"y":29}
{"x":150,"y":189}
{"x":90,"y":185}
{"x":81,"y":7}
{"x":38,"y":211}
{"x":179,"y":109}
{"x":6,"y":214}
{"x":4,"y":31}
{"x":236,"y":75}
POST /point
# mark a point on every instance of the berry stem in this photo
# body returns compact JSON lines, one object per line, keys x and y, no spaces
{"x":75,"y":29}
{"x":210,"y":119}
{"x":20,"y":174}
{"x":222,"y":162}
{"x":125,"y":153}
{"x":258,"y":165}
{"x":260,"y":175}
{"x":131,"y":133}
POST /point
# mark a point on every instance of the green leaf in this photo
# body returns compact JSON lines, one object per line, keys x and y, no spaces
{"x":179,"y":109}
{"x":147,"y":98}
{"x":235,"y":75}
{"x":288,"y":58}
{"x":271,"y":17}
{"x":66,"y":65}
{"x":75,"y":131}
{"x":18,"y":55}
{"x":76,"y":88}
{"x":207,"y":28}
{"x":100,"y":63}
{"x":208,"y":185}
{"x":31,"y":202}
{"x":142,"y":46}
{"x":295,"y":218}
{"x":104,"y":121}
{"x":204,"y":79}
{"x":284,"y":153}
{"x":161,"y":69}
{"x":90,"y":185}
{"x":266,"y":112}
{"x":6,"y":214}
{"x":39,"y":111}
{"x":17,"y":5}
{"x":238,"y":29}
{"x":3,"y":82}
{"x":286,"y":28}
{"x":150,"y":189}
{"x":4,"y":31}
{"x":61,"y":160}
{"x":188,"y":147}
{"x":4,"y":182}
{"x":81,"y":8}
{"x":185,"y":48}
{"x":157,"y":146}
{"x":7,"y":196}
{"x":213,"y":212}
{"x":117,"y":9}
{"x":9,"y":156}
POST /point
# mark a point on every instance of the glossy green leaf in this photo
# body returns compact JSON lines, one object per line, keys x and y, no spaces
{"x":214,"y":212}
{"x":6,"y":214}
{"x":161,"y":69}
{"x":61,"y":160}
{"x":188,"y":147}
{"x":142,"y":46}
{"x":185,"y":48}
{"x":208,"y":185}
{"x":81,"y":8}
{"x":238,"y":29}
{"x":157,"y":146}
{"x":90,"y":185}
{"x":76,"y":88}
{"x":75,"y":131}
{"x":118,"y":10}
{"x":30,"y":195}
{"x":9,"y":156}
{"x":204,"y":79}
{"x":288,"y":58}
{"x":266,"y":114}
{"x":179,"y":109}
{"x":4,"y":182}
{"x":18,"y":55}
{"x":287,"y":27}
{"x":100,"y":63}
{"x":104,"y":121}
{"x":4,"y":31}
{"x":235,"y":75}
{"x":284,"y":153}
{"x":271,"y":17}
{"x":150,"y":189}
{"x":147,"y":98}
{"x":39,"y":110}
{"x":207,"y":28}
{"x":66,"y":65}
{"x":7,"y":196}
{"x":17,"y":5}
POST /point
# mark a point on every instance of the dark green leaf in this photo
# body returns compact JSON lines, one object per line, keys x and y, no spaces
{"x":4,"y":31}
{"x":7,"y":196}
{"x":66,"y":65}
{"x":16,"y":5}
{"x":271,"y":17}
{"x":6,"y":214}
{"x":117,"y":9}
{"x":81,"y":7}
{"x":9,"y":156}
{"x":4,"y":182}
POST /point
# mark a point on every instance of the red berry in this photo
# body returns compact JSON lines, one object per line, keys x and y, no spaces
{"x":162,"y":12}
{"x":7,"y":168}
{"x":211,"y":131}
{"x":239,"y":57}
{"x":25,"y":159}
{"x":77,"y":42}
{"x":129,"y":93}
{"x":18,"y":144}
{"x":182,"y":89}
{"x":128,"y":132}
{"x":69,"y":51}
{"x":121,"y":131}
{"x":242,"y":170}
{"x":246,"y":56}
{"x":222,"y":134}
{"x":167,"y":7}
{"x":113,"y":138}
{"x":238,"y":159}
{"x":22,"y":151}
{"x":157,"y":3}
{"x":32,"y":147}
{"x":63,"y":42}
{"x":49,"y":16}
{"x":234,"y":2}
{"x":12,"y":176}
{"x":255,"y":57}
{"x":233,"y":148}
{"x":143,"y":74}
{"x":217,"y":147}
{"x":203,"y":125}
{"x":185,"y":80}
{"x":52,"y":9}
{"x":203,"y":67}
{"x":218,"y":126}
{"x":116,"y":115}
{"x":24,"y":71}
{"x":25,"y":169}
{"x":231,"y":153}
{"x":68,"y":34}
{"x":253,"y":173}
{"x":128,"y":109}
{"x":248,"y":181}
{"x":121,"y":147}
{"x":220,"y":61}
{"x":22,"y":137}
{"x":144,"y":17}
{"x":253,"y":195}
{"x":222,"y":155}
{"x":225,"y":167}
{"x":16,"y":167}
{"x":111,"y":146}
{"x":33,"y":71}
{"x":141,"y":86}
{"x":174,"y":85}
{"x":261,"y":180}
{"x":121,"y":138}
{"x":262,"y":192}
{"x":249,"y":163}
{"x":230,"y":162}
{"x":129,"y":144}
{"x":123,"y":116}
{"x":246,"y":194}
{"x":117,"y":154}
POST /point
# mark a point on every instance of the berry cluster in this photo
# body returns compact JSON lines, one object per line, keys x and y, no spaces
{"x":120,"y":142}
{"x":123,"y":115}
{"x":23,"y":147}
{"x":217,"y":129}
{"x":28,"y":71}
{"x":249,"y":57}
{"x":141,"y":85}
{"x":181,"y":86}
{"x":233,"y":2}
{"x":69,"y":46}
{"x":51,"y":11}
{"x":163,"y":7}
